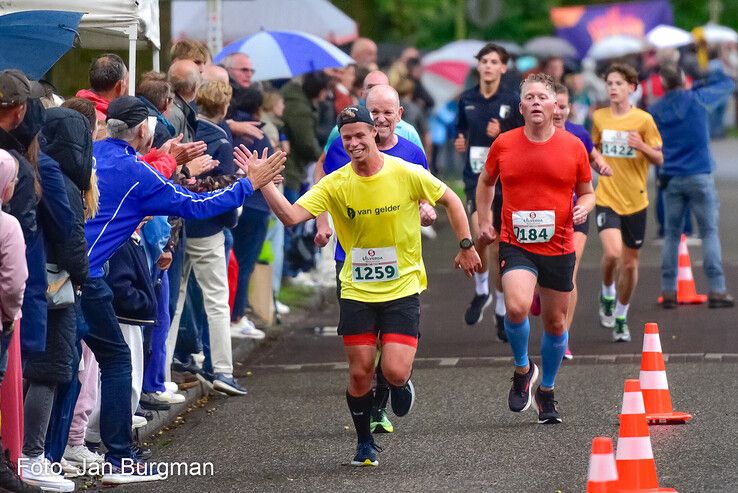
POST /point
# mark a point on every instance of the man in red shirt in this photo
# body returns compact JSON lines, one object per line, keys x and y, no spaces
{"x":539,"y":167}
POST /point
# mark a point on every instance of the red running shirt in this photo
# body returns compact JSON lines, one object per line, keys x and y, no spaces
{"x":538,"y":179}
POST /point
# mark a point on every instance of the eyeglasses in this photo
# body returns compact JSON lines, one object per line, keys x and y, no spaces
{"x":245,"y":70}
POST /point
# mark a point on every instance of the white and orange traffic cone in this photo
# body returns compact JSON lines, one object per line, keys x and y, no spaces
{"x":603,"y":474}
{"x":686,"y":289}
{"x":634,"y":457}
{"x":654,"y":385}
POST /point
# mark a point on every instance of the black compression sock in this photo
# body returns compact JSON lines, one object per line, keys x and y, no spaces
{"x":381,"y":392}
{"x":360,"y":408}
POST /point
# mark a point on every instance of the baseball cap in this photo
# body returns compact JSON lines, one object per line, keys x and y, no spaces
{"x":15,"y":88}
{"x":354,"y":114}
{"x":128,"y":109}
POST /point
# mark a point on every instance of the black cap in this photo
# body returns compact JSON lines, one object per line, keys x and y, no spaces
{"x":354,"y":114}
{"x":128,"y":109}
{"x":15,"y":88}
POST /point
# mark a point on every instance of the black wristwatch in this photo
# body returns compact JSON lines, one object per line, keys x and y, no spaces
{"x":466,"y":244}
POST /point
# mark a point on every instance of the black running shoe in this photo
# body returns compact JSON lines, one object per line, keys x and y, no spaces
{"x":521,"y":391}
{"x":500,"y":321}
{"x":402,"y":398}
{"x":546,"y":405}
{"x":473,"y":314}
{"x":9,"y":479}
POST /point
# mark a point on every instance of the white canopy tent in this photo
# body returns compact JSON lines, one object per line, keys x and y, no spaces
{"x":220,"y":22}
{"x":107,"y":24}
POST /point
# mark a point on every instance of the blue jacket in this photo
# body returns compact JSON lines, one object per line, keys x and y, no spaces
{"x":131,"y":190}
{"x":681,"y":117}
{"x":129,"y":278}
{"x":220,"y":146}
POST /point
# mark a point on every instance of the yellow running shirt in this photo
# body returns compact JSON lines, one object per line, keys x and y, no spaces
{"x":625,"y":191}
{"x":378,"y":221}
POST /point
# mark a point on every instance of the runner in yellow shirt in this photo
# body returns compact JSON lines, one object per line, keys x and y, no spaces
{"x":628,"y":139}
{"x":374,"y":205}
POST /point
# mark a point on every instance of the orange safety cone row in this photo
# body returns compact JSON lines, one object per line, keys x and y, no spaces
{"x":634,"y":458}
{"x":686,"y":289}
{"x":654,"y":385}
{"x":603,"y":474}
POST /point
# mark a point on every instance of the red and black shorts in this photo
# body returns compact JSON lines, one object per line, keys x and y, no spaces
{"x":397,"y":320}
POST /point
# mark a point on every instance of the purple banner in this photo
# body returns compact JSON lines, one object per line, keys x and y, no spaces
{"x":584,"y":25}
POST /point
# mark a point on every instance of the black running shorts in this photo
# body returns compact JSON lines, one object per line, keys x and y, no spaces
{"x":400,"y":316}
{"x":553,"y":272}
{"x":632,"y":227}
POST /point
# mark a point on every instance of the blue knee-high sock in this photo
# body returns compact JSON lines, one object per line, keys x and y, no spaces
{"x":552,"y":352}
{"x":518,"y":334}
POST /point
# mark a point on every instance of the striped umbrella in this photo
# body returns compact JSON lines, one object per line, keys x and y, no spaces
{"x":286,"y":54}
{"x":446,"y":69}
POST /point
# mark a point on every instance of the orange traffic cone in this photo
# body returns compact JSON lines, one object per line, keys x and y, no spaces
{"x":654,"y":386}
{"x":634,"y":458}
{"x":686,"y":289}
{"x":603,"y":474}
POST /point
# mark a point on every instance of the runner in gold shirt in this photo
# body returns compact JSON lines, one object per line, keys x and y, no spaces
{"x":374,"y":205}
{"x":630,"y":142}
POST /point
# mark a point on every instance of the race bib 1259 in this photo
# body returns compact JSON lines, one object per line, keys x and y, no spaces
{"x":374,"y":264}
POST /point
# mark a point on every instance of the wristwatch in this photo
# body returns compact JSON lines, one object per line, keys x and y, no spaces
{"x":466,"y":244}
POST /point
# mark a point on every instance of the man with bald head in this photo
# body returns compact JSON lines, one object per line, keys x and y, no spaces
{"x":364,"y":51}
{"x":383,"y":104}
{"x":185,"y":78}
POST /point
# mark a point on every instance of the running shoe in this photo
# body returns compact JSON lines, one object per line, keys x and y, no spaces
{"x":620,"y":333}
{"x":720,"y":300}
{"x":128,"y":471}
{"x":380,"y":423}
{"x":366,"y":453}
{"x":535,"y":306}
{"x":402,"y":398}
{"x":567,"y":355}
{"x":500,"y":322}
{"x":521,"y":391}
{"x":228,"y":385}
{"x":546,"y":406}
{"x":478,"y":304}
{"x":607,"y":305}
{"x":668,"y":300}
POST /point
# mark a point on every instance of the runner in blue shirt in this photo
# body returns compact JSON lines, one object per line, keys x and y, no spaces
{"x":383,"y":103}
{"x":561,"y":120}
{"x":485,"y":111}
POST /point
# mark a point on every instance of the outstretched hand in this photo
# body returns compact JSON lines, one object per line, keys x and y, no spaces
{"x":259,"y":170}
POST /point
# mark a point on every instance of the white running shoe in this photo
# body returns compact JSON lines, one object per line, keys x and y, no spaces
{"x":70,"y":470}
{"x":281,"y":308}
{"x":171,"y":387}
{"x":81,"y":456}
{"x":38,"y":471}
{"x":138,"y":422}
{"x":167,"y":397}
{"x":245,"y":329}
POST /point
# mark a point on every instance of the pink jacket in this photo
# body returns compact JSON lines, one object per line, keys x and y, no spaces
{"x":13,"y":269}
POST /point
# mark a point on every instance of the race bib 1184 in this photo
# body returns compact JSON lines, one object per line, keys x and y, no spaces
{"x":534,"y":226}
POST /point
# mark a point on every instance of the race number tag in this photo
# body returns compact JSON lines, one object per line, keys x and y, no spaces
{"x":477,"y":158}
{"x":374,"y":264}
{"x":534,"y":226}
{"x":615,"y":144}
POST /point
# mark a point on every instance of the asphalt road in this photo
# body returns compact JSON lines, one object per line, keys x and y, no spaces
{"x":293,"y":432}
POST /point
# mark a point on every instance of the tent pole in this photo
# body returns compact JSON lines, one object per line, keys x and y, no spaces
{"x":132,"y":37}
{"x":156,"y":60}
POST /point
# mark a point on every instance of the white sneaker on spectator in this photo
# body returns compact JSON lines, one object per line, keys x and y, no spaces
{"x":38,"y":471}
{"x":281,"y":308}
{"x":139,"y":422}
{"x":304,"y":279}
{"x":245,"y":329}
{"x":70,"y":470}
{"x":171,"y":387}
{"x":168,"y":397}
{"x":81,"y":456}
{"x":199,"y":358}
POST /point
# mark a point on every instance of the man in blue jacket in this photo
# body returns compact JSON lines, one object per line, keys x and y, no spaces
{"x":682,"y":119}
{"x":129,"y":191}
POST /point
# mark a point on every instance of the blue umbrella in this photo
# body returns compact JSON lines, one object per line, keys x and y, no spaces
{"x":33,"y":41}
{"x":286,"y":54}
